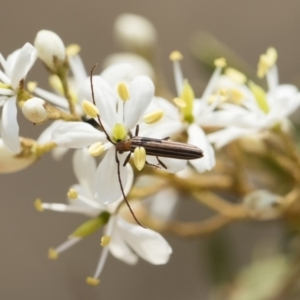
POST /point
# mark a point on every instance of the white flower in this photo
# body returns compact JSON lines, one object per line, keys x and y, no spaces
{"x":124,"y":240}
{"x":118,"y":118}
{"x":257,"y":109}
{"x":50,"y":48}
{"x":16,"y":67}
{"x":196,"y":113}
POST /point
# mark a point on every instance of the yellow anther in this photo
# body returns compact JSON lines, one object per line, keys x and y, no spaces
{"x":31,"y":85}
{"x":272,"y":56}
{"x":217,"y":97}
{"x":237,"y":96}
{"x":266,"y":61}
{"x":52,"y":254}
{"x":236,"y":75}
{"x":92,"y":281}
{"x":123,"y":91}
{"x":90,"y":109}
{"x":5,"y":85}
{"x":73,"y":49}
{"x":175,"y":55}
{"x":38,"y":204}
{"x":119,"y":132}
{"x":105,"y":240}
{"x":72,"y":194}
{"x":55,"y":83}
{"x":153,"y":117}
{"x":96,"y":149}
{"x":220,"y":62}
{"x":139,"y":157}
{"x":260,"y":96}
{"x":179,"y":102}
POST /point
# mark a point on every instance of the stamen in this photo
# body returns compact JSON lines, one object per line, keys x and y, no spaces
{"x":153,"y":117}
{"x":179,"y":102}
{"x":139,"y":157}
{"x":52,"y":254}
{"x":123,"y":91}
{"x":64,"y":246}
{"x":38,"y":204}
{"x":31,"y":85}
{"x":72,"y":194}
{"x":266,"y":61}
{"x":220,"y":62}
{"x":55,"y":83}
{"x":176,"y":56}
{"x":236,"y":75}
{"x":73,"y":49}
{"x":105,"y":240}
{"x":119,"y":132}
{"x":92,"y":281}
{"x":104,"y":253}
{"x":237,"y":96}
{"x":96,"y":149}
{"x":90,"y":109}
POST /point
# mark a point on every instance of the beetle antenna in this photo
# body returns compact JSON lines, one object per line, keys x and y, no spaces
{"x":122,"y":190}
{"x":93,"y":97}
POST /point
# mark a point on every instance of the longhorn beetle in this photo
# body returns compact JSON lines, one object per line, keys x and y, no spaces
{"x":153,"y":147}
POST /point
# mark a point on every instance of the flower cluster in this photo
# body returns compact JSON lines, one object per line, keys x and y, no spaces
{"x":180,"y":144}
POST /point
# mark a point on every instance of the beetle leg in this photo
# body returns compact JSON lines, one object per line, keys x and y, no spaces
{"x":127,"y":159}
{"x":161,"y":163}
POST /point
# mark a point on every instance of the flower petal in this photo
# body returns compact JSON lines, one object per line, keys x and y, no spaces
{"x":77,"y":135}
{"x":148,"y":244}
{"x":120,"y":249}
{"x":198,"y":138}
{"x":84,"y":166}
{"x":104,"y":97}
{"x":9,"y":126}
{"x":107,"y":186}
{"x":23,"y":64}
{"x":141,"y":91}
{"x":116,"y":73}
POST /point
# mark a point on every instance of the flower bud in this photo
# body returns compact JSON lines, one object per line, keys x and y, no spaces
{"x":134,"y":32}
{"x":35,"y":110}
{"x":50,"y":48}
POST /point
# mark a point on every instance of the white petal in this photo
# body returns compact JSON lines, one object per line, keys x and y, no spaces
{"x":120,"y":249}
{"x":9,"y":126}
{"x":116,"y":73}
{"x":139,"y":66}
{"x":141,"y":90}
{"x":45,"y":136}
{"x":52,"y":98}
{"x":104,"y":97}
{"x":77,"y":68}
{"x":77,"y":135}
{"x":4,"y":78}
{"x":148,"y":244}
{"x":23,"y":64}
{"x":84,"y":166}
{"x":198,"y":138}
{"x":6,"y":92}
{"x":163,"y":204}
{"x":223,"y":137}
{"x":107,"y":186}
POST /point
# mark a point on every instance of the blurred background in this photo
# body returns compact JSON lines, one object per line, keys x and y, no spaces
{"x":248,"y":28}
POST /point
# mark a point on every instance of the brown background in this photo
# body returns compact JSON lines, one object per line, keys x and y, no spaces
{"x":248,"y":27}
